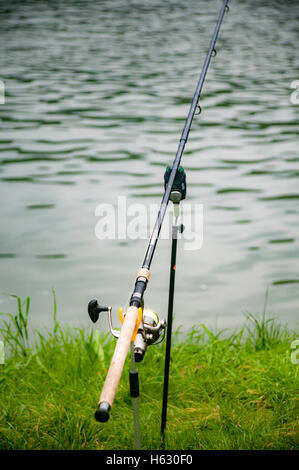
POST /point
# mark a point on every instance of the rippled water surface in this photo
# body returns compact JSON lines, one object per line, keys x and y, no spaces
{"x":96,"y":98}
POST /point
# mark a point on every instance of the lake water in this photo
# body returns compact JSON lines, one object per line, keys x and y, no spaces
{"x":96,"y":96}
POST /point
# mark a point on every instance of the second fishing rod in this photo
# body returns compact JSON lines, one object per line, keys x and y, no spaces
{"x":134,"y":316}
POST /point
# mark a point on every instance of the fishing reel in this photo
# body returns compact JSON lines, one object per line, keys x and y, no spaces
{"x":149,"y":331}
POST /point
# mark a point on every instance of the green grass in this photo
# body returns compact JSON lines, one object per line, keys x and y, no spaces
{"x":227,"y":391}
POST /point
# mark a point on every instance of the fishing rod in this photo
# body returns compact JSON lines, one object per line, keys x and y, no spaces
{"x":142,"y":327}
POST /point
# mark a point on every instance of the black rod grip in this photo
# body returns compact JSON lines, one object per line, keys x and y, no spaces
{"x":102,"y":413}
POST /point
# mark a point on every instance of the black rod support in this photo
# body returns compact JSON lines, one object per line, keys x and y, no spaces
{"x":169,"y":326}
{"x":134,"y":383}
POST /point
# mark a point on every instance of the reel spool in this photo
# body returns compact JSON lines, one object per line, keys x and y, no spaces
{"x":149,"y":332}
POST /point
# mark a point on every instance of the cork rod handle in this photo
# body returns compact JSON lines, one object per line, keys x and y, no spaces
{"x":116,"y":366}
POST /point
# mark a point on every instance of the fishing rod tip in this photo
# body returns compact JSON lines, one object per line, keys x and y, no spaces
{"x":102,"y":413}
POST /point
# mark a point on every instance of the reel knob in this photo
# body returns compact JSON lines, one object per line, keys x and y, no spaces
{"x":94,"y":310}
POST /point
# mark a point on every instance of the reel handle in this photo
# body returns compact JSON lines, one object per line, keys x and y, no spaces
{"x":94,"y":310}
{"x":116,"y":365}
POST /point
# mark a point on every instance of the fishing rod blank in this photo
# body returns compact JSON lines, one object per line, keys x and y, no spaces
{"x":131,"y":316}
